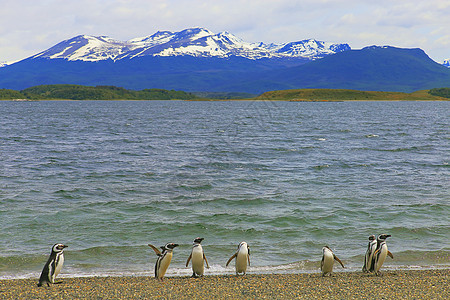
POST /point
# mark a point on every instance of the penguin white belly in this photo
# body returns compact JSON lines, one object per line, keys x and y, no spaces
{"x":328,"y":262}
{"x":197,"y":260}
{"x":164,"y":265}
{"x":59,"y":264}
{"x":241,"y":261}
{"x":381,"y":257}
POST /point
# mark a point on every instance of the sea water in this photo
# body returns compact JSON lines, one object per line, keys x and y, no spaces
{"x":109,"y":177}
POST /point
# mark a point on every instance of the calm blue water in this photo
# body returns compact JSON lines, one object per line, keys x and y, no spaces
{"x":107,"y":178}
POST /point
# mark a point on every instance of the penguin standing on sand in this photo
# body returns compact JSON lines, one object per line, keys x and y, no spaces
{"x":371,"y":247}
{"x":242,"y":256}
{"x":380,"y":254}
{"x":164,"y":258}
{"x":328,"y":258}
{"x":53,"y":266}
{"x":197,"y":256}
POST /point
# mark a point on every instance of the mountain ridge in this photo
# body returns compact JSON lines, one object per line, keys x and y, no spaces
{"x":197,"y":42}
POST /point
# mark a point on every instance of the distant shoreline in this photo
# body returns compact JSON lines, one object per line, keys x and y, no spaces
{"x":237,"y":100}
{"x":399,"y":284}
{"x":79,"y":92}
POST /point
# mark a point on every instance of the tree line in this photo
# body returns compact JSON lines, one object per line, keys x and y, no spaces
{"x":100,"y":92}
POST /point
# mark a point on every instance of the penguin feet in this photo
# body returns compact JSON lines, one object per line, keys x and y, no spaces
{"x":194,"y":275}
{"x":40,"y":284}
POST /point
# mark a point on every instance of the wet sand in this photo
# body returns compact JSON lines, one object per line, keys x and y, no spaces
{"x":400,"y":284}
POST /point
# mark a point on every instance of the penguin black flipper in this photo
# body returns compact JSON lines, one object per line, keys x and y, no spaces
{"x":248,"y":254}
{"x":52,"y":274}
{"x":336,"y":258}
{"x":44,"y":277}
{"x":189,"y":258}
{"x":374,"y":259}
{"x":390,"y":254}
{"x":321,"y":263}
{"x":204,"y":257}
{"x":46,"y":272}
{"x":231,"y":258}
{"x":155,"y":249}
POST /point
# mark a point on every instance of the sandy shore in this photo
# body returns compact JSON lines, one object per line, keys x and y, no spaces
{"x":429,"y":284}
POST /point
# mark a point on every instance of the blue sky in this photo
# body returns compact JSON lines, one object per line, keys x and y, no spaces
{"x":28,"y":27}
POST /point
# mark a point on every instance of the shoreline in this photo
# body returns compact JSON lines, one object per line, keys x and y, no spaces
{"x":236,"y":100}
{"x":397,"y":284}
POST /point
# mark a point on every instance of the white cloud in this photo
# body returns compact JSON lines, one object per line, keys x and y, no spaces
{"x":28,"y":27}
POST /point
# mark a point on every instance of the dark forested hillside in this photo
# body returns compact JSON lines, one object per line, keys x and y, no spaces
{"x":79,"y":92}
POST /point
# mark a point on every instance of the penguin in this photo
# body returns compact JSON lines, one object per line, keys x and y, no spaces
{"x":380,"y":254}
{"x":242,"y":256}
{"x":328,"y":258}
{"x":53,"y":266}
{"x":198,"y":256}
{"x":164,"y":258}
{"x":371,"y":247}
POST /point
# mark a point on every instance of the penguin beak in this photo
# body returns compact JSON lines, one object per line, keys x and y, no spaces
{"x":65,"y":246}
{"x":175,"y":245}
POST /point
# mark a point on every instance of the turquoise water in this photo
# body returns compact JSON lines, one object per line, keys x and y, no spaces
{"x":109,"y":177}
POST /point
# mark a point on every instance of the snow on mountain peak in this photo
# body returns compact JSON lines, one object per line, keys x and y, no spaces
{"x":86,"y":48}
{"x":309,"y":48}
{"x":197,"y":41}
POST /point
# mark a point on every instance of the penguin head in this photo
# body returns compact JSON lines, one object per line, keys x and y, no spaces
{"x":58,"y":248}
{"x":198,"y":240}
{"x":326,"y":248}
{"x":383,"y":237}
{"x":242,"y":244}
{"x":371,"y":238}
{"x":170,"y":246}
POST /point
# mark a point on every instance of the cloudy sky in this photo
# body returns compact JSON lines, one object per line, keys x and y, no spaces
{"x":28,"y":26}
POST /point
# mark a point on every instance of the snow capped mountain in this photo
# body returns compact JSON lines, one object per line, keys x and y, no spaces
{"x":86,"y":48}
{"x":196,"y":42}
{"x":309,"y":48}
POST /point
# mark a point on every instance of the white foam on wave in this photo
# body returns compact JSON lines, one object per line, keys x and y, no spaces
{"x":218,"y":270}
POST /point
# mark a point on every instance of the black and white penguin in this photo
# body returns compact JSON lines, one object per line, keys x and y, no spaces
{"x":164,"y":258}
{"x":242,"y":256}
{"x":371,"y":247}
{"x":328,"y":258}
{"x":380,"y":254}
{"x":198,"y":256}
{"x":53,"y":266}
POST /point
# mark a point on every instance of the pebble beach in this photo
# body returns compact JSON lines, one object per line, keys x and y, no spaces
{"x":398,"y":284}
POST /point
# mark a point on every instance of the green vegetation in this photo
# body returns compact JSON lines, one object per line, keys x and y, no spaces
{"x":6,"y":94}
{"x":342,"y":95}
{"x":79,"y":92}
{"x":442,"y":92}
